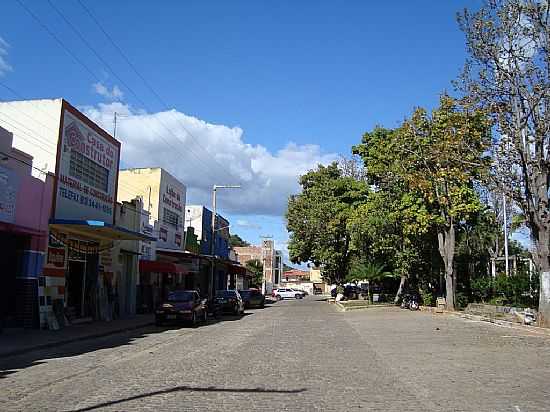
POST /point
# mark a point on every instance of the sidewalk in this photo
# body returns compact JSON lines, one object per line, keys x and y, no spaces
{"x":17,"y":341}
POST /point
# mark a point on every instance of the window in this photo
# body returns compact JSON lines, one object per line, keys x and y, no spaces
{"x":88,"y":171}
{"x":170,"y":218}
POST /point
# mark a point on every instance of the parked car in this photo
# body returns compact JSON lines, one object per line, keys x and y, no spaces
{"x":230,"y":301}
{"x":303,"y":292}
{"x":182,"y":305}
{"x":287,"y":294}
{"x":252,"y":298}
{"x":352,"y":292}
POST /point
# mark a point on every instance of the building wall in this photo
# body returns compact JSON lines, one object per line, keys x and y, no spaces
{"x":200,"y":218}
{"x":25,"y":201}
{"x":315,"y":274}
{"x":35,"y":128}
{"x":159,"y":191}
{"x":246,"y":253}
{"x":125,"y":257}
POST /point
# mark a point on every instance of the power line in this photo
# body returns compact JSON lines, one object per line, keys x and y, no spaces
{"x":110,"y":68}
{"x":147,"y":84}
{"x":60,"y":42}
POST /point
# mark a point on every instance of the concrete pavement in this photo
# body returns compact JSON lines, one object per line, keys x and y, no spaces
{"x":295,"y":355}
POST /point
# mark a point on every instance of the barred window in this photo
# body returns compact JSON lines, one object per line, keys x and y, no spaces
{"x":170,"y":218}
{"x":88,"y":171}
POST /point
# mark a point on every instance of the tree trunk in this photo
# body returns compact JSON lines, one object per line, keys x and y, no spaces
{"x":446,"y":243}
{"x":544,"y":267}
{"x":400,"y":290}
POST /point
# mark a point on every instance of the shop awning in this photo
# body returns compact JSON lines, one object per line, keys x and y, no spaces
{"x":97,"y":229}
{"x":161,"y":267}
{"x":237,"y":270}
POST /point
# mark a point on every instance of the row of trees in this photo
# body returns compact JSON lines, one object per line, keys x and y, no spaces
{"x":424,"y":201}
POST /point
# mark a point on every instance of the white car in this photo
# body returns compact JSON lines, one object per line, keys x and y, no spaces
{"x":300,"y":291}
{"x":287,"y":294}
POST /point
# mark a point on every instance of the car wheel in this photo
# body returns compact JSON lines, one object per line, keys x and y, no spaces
{"x":298,"y":296}
{"x":194,"y":319}
{"x":236,"y":310}
{"x":278,"y":297}
{"x":262,"y":305}
{"x":205,"y":316}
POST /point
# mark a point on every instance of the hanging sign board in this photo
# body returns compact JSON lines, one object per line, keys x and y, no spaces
{"x":87,"y":169}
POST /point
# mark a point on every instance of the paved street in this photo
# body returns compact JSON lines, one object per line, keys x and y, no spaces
{"x":293,"y":355}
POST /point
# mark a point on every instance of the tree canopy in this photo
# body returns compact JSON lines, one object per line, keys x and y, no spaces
{"x":317,"y":220}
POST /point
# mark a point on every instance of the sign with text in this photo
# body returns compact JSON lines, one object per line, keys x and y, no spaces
{"x":56,"y":256}
{"x":171,"y":213}
{"x":87,"y":171}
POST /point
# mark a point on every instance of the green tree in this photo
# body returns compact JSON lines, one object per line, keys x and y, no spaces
{"x":236,"y":241}
{"x":257,"y":269}
{"x":370,"y":271}
{"x":433,"y":162}
{"x":317,"y":220}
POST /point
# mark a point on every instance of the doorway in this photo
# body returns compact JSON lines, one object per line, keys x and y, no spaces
{"x":75,"y":290}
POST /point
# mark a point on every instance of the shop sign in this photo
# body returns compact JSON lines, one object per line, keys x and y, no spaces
{"x":87,"y":171}
{"x":56,"y":256}
{"x":171,"y":213}
{"x":9,"y":183}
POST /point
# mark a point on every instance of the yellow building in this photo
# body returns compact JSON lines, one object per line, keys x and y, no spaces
{"x":317,"y":280}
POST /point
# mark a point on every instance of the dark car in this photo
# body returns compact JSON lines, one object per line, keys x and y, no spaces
{"x":252,"y":298}
{"x":230,"y":301}
{"x":352,"y":292}
{"x":182,"y":305}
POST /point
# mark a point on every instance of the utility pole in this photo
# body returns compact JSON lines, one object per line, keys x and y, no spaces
{"x":114,"y":128}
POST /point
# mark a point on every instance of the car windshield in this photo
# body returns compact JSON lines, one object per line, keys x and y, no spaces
{"x":245,"y":293}
{"x":226,"y":293}
{"x":180,"y":296}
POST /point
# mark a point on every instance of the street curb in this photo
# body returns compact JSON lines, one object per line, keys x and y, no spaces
{"x":73,"y":340}
{"x":479,"y":318}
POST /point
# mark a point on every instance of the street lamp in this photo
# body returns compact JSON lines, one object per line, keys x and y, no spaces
{"x":213,"y":230}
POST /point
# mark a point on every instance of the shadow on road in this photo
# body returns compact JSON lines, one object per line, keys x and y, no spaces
{"x":189,"y":389}
{"x":13,"y":364}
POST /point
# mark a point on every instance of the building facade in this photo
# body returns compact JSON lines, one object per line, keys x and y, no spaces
{"x":84,"y":159}
{"x":25,"y":203}
{"x":161,"y":266}
{"x":271,"y":259}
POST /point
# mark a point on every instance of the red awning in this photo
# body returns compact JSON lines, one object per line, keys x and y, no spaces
{"x":161,"y":267}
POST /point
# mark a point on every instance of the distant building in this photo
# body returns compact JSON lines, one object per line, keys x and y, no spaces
{"x":271,"y":259}
{"x":295,"y":275}
{"x":200,"y":219}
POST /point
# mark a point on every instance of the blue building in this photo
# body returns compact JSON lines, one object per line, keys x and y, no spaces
{"x":200,"y":218}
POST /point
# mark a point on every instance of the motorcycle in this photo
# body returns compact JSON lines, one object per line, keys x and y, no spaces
{"x":410,"y":302}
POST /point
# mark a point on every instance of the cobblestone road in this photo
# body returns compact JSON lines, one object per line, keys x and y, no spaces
{"x":294,"y":355}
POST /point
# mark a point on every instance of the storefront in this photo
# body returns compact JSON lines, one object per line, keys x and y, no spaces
{"x":156,"y":279}
{"x":25,"y":203}
{"x":78,"y":280}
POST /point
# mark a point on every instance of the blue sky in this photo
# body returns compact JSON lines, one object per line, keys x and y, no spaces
{"x":268,"y":89}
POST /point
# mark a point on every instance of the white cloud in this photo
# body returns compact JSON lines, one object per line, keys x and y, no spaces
{"x":4,"y":66}
{"x":162,"y":139}
{"x":244,"y":223}
{"x":114,"y":94}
